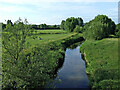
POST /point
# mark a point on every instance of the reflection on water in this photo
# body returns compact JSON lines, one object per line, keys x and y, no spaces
{"x":72,"y":74}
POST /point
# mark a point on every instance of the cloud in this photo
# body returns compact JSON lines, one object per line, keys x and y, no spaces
{"x":53,"y":11}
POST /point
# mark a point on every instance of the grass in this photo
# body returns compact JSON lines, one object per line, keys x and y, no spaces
{"x":50,"y":31}
{"x":47,"y":38}
{"x":102,"y":62}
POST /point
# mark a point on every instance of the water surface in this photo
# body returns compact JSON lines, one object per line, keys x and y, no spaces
{"x":72,"y":74}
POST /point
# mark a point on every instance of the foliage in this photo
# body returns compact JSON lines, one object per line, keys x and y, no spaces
{"x":9,"y":22}
{"x":102,"y":62}
{"x":80,"y":21}
{"x":44,"y":26}
{"x":117,"y":30}
{"x":99,"y":28}
{"x":70,"y":23}
{"x":13,"y":44}
{"x":31,"y":67}
{"x":78,"y":29}
{"x":62,"y":25}
{"x":3,"y":26}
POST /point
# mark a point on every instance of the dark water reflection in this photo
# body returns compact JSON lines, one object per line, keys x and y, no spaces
{"x":72,"y":74}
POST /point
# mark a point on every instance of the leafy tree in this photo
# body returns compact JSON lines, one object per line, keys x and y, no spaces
{"x":25,"y":67}
{"x":34,"y":26}
{"x":105,"y":20}
{"x":78,"y":29}
{"x":117,"y":30}
{"x":3,"y":26}
{"x":81,"y":29}
{"x":70,"y":23}
{"x":8,"y":25}
{"x":62,"y":24}
{"x":55,"y":26}
{"x":99,"y":28}
{"x":9,"y":22}
{"x":14,"y":42}
{"x":80,"y":21}
{"x":43,"y":26}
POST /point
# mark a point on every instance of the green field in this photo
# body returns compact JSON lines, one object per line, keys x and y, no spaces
{"x":45,"y":38}
{"x":50,"y":31}
{"x":102,"y":62}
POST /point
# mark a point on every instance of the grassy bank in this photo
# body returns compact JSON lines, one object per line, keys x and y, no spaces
{"x":102,"y":62}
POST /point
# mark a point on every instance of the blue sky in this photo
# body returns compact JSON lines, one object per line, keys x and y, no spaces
{"x":54,"y":11}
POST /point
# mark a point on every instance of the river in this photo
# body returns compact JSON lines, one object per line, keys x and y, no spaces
{"x":72,"y":74}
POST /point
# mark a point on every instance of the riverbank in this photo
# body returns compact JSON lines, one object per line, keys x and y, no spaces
{"x":102,"y":62}
{"x":37,"y":64}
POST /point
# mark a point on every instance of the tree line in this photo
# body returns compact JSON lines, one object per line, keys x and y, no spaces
{"x":33,"y":26}
{"x":98,"y":28}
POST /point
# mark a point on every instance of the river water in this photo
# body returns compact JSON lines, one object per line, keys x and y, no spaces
{"x":72,"y":74}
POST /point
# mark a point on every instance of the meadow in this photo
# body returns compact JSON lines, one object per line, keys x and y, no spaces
{"x":51,"y":31}
{"x":46,"y":37}
{"x":102,"y":62}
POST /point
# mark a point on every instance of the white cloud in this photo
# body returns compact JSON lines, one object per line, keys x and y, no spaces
{"x":45,"y":11}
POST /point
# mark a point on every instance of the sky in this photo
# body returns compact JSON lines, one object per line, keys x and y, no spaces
{"x":54,"y":11}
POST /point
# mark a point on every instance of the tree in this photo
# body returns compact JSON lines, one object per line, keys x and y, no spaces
{"x":34,"y":26}
{"x":8,"y":25}
{"x":70,"y":23}
{"x":9,"y":22}
{"x":24,"y":66}
{"x":62,"y":25}
{"x":117,"y":30}
{"x":78,"y":29}
{"x":80,"y":21}
{"x":43,"y":26}
{"x":99,"y":28}
{"x":54,"y":26}
{"x":3,"y":26}
{"x":14,"y":43}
